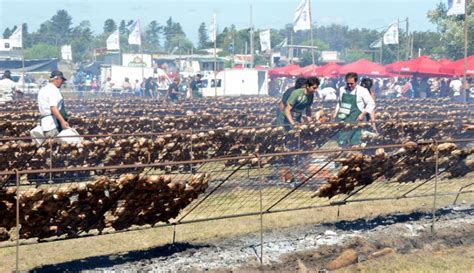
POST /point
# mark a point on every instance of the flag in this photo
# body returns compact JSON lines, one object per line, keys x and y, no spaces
{"x":213,"y":29}
{"x":265,"y":43}
{"x":282,"y":44}
{"x":113,"y":42}
{"x":16,"y":39}
{"x":302,"y":19}
{"x":66,"y":52}
{"x":391,"y":35}
{"x":456,"y":7}
{"x":283,"y":47}
{"x":135,"y":33}
{"x":376,"y":44}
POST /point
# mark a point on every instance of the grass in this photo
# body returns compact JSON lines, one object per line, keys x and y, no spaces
{"x":454,"y":260}
{"x":35,"y":255}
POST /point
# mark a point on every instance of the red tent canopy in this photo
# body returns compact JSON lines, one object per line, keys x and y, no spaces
{"x":364,"y":67}
{"x":444,"y":62}
{"x":392,"y":66}
{"x":307,"y":71}
{"x":421,"y":66}
{"x":328,"y":70}
{"x":283,"y":71}
{"x":457,"y":67}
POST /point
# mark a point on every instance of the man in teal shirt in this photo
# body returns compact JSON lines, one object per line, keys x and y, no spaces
{"x":300,"y":100}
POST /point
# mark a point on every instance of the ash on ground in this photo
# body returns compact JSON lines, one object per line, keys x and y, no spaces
{"x":319,"y":247}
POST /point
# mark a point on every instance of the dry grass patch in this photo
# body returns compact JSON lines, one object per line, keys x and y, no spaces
{"x":453,"y":260}
{"x":32,"y":256}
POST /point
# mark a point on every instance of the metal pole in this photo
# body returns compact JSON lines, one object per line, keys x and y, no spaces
{"x":251,"y":38}
{"x":23,"y":61}
{"x":215,"y":54}
{"x":381,"y":52}
{"x":407,"y":51}
{"x":398,"y":44}
{"x":261,"y":209}
{"x":464,"y":79}
{"x":435,"y":188}
{"x":17,"y":258}
{"x":311,"y":32}
{"x":50,"y":160}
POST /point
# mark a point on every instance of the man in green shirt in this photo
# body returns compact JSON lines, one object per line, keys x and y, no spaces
{"x":300,"y":100}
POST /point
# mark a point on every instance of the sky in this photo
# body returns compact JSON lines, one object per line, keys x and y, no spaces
{"x":373,"y":14}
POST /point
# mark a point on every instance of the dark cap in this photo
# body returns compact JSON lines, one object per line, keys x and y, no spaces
{"x":7,"y":74}
{"x":57,"y":74}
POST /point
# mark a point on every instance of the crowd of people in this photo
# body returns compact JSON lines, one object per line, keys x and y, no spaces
{"x":151,"y":87}
{"x":355,"y":103}
{"x":394,"y":87}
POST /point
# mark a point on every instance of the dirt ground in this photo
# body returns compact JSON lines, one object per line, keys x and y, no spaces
{"x":401,"y":242}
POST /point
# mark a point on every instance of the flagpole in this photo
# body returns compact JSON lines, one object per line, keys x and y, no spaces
{"x":311,"y":31}
{"x":140,"y":48}
{"x":398,"y":44}
{"x":23,"y":67}
{"x":251,"y":38}
{"x":381,"y":51}
{"x":408,"y":39}
{"x":215,"y":67}
{"x":464,"y":80}
{"x":215,"y":52}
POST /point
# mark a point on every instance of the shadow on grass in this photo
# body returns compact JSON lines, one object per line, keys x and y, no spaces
{"x":91,"y":263}
{"x":385,"y":220}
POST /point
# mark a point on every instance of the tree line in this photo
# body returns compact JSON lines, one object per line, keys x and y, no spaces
{"x":353,"y":43}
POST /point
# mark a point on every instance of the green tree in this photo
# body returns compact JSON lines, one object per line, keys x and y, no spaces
{"x":181,"y":43}
{"x":451,"y":30}
{"x":6,"y":33}
{"x":203,"y":36}
{"x":152,"y":36}
{"x":170,"y":31}
{"x":42,"y":51}
{"x":109,"y":26}
{"x":81,"y":42}
{"x":61,"y":24}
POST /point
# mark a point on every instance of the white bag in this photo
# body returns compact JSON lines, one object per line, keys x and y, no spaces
{"x":69,"y":136}
{"x":37,"y":135}
{"x":367,"y":133}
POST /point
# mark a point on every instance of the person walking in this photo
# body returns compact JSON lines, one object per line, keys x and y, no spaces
{"x":173,"y":90}
{"x":8,"y":87}
{"x":51,"y":106}
{"x":195,"y":87}
{"x":353,"y":105}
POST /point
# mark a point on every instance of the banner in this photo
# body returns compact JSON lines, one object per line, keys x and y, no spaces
{"x":213,"y":28}
{"x":302,"y":19}
{"x":376,"y":44}
{"x":391,"y":35}
{"x":135,"y":33}
{"x":265,"y":43}
{"x":16,"y":39}
{"x":113,"y":42}
{"x":66,"y":52}
{"x":456,"y":7}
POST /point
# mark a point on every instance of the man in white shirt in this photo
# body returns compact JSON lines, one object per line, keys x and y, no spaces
{"x":327,"y":94}
{"x":7,"y":87}
{"x":353,"y":104}
{"x":51,"y":106}
{"x":456,"y":87}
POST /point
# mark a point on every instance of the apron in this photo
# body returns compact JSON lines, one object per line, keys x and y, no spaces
{"x":296,"y":113}
{"x":62,"y":111}
{"x":283,"y":121}
{"x":348,"y":112}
